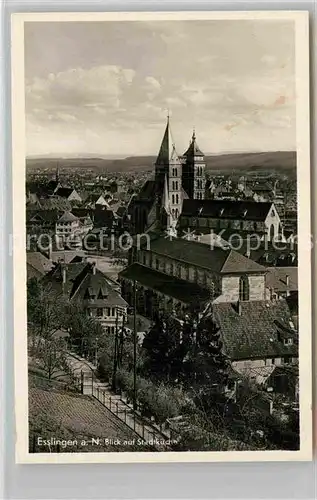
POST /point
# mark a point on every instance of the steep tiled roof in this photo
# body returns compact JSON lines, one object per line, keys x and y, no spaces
{"x":42,"y":216}
{"x":276,"y":278}
{"x":79,"y":279}
{"x":226,"y":209}
{"x":255,"y":332}
{"x":215,"y":258}
{"x":64,"y":192}
{"x":182,"y":290}
{"x":39,"y":262}
{"x":94,"y":283}
{"x":67,"y":217}
{"x":32,"y":272}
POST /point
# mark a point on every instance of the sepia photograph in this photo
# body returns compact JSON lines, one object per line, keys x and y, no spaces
{"x":161,"y":243}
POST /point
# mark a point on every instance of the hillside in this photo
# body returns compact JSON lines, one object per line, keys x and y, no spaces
{"x":280,"y":161}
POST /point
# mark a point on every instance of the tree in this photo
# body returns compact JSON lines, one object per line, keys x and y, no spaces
{"x":52,"y":357}
{"x":206,"y":368}
{"x":85,"y":331}
{"x":45,"y":310}
{"x":162,"y":349}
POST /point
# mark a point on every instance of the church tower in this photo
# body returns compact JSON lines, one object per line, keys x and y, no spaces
{"x":193,"y":176}
{"x":168,"y":178}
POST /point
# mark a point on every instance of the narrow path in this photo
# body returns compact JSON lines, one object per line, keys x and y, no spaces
{"x":85,"y":371}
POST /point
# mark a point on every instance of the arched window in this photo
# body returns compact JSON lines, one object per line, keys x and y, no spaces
{"x":244,"y":288}
{"x":176,"y":213}
{"x":176,"y":199}
{"x":176,"y":185}
{"x":173,"y":199}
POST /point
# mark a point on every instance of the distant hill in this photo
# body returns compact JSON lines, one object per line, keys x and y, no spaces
{"x":280,"y":161}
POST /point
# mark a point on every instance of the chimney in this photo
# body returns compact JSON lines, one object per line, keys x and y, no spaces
{"x":93,"y":264}
{"x":64,"y":274}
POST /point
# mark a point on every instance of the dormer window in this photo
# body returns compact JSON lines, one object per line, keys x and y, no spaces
{"x":89,"y":294}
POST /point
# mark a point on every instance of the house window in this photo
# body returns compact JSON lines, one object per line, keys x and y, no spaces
{"x":108,"y":311}
{"x":99,"y":312}
{"x":287,"y":359}
{"x":244,"y":288}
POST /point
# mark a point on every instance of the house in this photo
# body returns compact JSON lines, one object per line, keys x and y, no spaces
{"x":262,"y":191}
{"x":41,"y":221}
{"x":99,"y":295}
{"x":37,"y":265}
{"x":96,"y":200}
{"x":233,"y":217}
{"x":68,"y":193}
{"x":68,"y":230}
{"x":282,"y":281}
{"x":257,"y":335}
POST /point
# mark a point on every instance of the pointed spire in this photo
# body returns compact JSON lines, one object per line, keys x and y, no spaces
{"x":193,"y":148}
{"x":165,"y":197}
{"x":167,"y":150}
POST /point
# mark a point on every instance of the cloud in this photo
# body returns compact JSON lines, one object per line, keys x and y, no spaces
{"x":229,"y":79}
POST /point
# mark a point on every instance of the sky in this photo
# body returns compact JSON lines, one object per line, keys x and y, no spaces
{"x":105,"y":88}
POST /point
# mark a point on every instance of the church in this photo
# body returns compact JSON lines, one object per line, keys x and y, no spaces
{"x":160,"y":201}
{"x":174,"y":201}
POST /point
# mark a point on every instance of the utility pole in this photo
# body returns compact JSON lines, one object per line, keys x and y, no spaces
{"x":116,"y":352}
{"x":134,"y":346}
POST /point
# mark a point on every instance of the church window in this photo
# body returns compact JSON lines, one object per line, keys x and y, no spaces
{"x":176,"y":212}
{"x":177,"y":199}
{"x":176,"y":185}
{"x":244,"y":288}
{"x":173,"y":199}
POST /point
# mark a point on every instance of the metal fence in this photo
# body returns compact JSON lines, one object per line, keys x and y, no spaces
{"x":147,"y":431}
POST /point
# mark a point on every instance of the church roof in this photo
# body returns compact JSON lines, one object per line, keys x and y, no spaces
{"x":216,"y":259}
{"x":226,"y":209}
{"x":193,"y":149}
{"x":167,"y":153}
{"x":183,"y":290}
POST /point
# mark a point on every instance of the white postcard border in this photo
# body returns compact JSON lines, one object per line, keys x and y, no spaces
{"x":300,"y":19}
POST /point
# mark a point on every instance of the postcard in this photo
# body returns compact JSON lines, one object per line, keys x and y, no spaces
{"x":161,"y":237}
